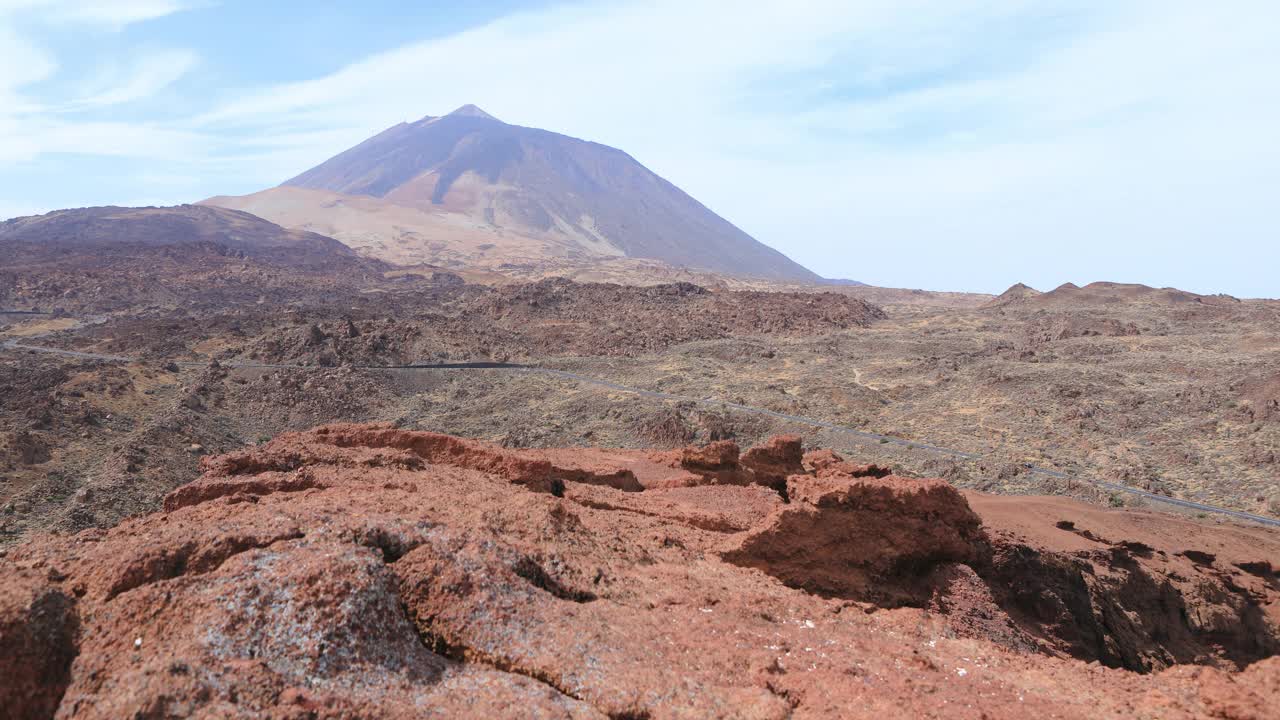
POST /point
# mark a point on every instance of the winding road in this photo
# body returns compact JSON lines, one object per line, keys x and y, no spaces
{"x":709,"y":402}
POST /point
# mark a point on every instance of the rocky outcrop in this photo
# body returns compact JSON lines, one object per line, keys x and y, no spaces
{"x":864,"y":538}
{"x":773,"y":462}
{"x":1048,"y":329}
{"x":1143,"y":596}
{"x":365,"y":571}
{"x":1260,"y":397}
{"x":26,"y":448}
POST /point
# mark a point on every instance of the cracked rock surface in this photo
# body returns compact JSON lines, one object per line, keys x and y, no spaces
{"x":359,"y":571}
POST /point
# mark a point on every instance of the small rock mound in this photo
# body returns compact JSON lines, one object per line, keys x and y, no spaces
{"x":863,"y":537}
{"x":717,"y":456}
{"x":1047,"y":329}
{"x":773,"y":462}
{"x":1016,"y":293}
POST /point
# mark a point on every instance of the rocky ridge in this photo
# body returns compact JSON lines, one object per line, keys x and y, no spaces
{"x":367,"y":571}
{"x":109,"y":259}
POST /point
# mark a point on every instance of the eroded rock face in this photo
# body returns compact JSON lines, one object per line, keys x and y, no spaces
{"x":299,"y":627}
{"x":364,"y":571}
{"x":774,"y":461}
{"x":1144,"y":594}
{"x":38,"y":634}
{"x":863,"y":537}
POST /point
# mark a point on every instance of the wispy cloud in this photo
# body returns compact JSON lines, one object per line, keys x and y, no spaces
{"x":21,"y":64}
{"x":113,"y":14}
{"x":33,"y":124}
{"x":142,"y":78}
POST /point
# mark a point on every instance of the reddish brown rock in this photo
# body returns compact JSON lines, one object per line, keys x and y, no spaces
{"x":720,"y":462}
{"x":718,"y":508}
{"x":774,"y":461}
{"x":38,"y":634}
{"x":361,"y":572}
{"x":1139,"y":590}
{"x":861,"y":537}
{"x":815,"y":460}
{"x":972,"y":610}
{"x":1237,"y":697}
{"x":484,"y":601}
{"x":275,"y":630}
{"x":268,"y":469}
{"x":827,"y":462}
{"x":720,"y":455}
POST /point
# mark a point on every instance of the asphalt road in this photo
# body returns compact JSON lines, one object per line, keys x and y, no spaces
{"x":711,"y":402}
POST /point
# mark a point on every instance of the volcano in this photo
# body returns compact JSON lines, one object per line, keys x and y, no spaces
{"x":466,"y":189}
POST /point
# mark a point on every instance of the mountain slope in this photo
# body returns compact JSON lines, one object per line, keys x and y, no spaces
{"x":579,"y":199}
{"x":100,"y":229}
{"x":108,"y":258}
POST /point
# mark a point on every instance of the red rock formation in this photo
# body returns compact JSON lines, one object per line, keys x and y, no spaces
{"x":824,"y":462}
{"x":1139,"y":590}
{"x":862,"y":538}
{"x":720,"y":455}
{"x":773,"y":462}
{"x":363,"y":571}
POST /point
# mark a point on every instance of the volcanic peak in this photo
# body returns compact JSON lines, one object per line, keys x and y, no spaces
{"x":473,"y":111}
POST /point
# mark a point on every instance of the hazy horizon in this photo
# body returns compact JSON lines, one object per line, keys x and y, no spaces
{"x":965,"y":147}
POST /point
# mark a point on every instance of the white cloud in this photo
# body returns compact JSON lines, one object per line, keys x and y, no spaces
{"x":105,"y":139}
{"x":117,"y":14}
{"x":32,"y":125}
{"x":21,"y":64}
{"x":142,"y":78}
{"x":631,"y":60}
{"x":112,"y":14}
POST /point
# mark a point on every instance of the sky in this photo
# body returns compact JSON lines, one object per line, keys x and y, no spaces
{"x":958,"y":145}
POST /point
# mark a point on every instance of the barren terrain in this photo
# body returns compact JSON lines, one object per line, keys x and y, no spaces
{"x":1179,"y":399}
{"x":954,"y":506}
